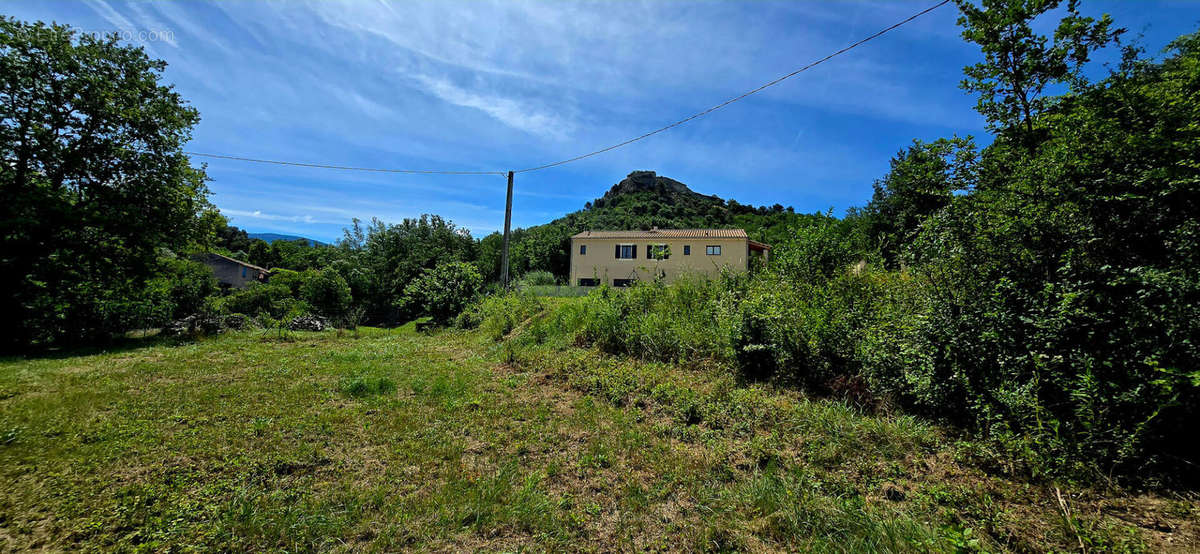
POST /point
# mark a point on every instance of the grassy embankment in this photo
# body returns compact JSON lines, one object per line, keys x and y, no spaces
{"x":381,"y":440}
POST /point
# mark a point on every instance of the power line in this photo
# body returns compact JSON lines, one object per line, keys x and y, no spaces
{"x":608,"y":148}
{"x":348,"y":168}
{"x":736,"y":98}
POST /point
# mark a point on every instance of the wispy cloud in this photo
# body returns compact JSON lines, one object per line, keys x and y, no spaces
{"x":258,"y":214}
{"x":503,"y":84}
{"x":508,"y":111}
{"x":143,"y":34}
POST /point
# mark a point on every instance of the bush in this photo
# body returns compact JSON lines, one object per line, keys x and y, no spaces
{"x":820,"y":248}
{"x":807,"y":332}
{"x":444,"y":291}
{"x":327,"y":293}
{"x":292,"y":281}
{"x":1094,"y":372}
{"x":498,"y":314}
{"x":271,"y":298}
{"x":187,"y":284}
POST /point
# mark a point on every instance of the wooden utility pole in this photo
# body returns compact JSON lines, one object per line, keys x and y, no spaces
{"x":507,"y":224}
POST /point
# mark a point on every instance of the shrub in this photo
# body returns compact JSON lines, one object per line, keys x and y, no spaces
{"x":498,"y":314}
{"x":327,"y":292}
{"x":444,"y":291}
{"x":818,"y":249}
{"x":1092,"y":376}
{"x":271,"y":298}
{"x":685,"y":321}
{"x":187,"y":284}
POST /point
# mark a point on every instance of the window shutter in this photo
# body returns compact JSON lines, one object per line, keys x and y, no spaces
{"x":634,"y":251}
{"x":618,"y":252}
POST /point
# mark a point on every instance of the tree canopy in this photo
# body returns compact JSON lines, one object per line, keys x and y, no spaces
{"x":94,"y":181}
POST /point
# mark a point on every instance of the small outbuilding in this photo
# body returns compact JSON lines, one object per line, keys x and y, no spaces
{"x":232,"y":273}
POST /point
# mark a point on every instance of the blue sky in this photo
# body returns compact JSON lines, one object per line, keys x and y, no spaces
{"x":477,"y":85}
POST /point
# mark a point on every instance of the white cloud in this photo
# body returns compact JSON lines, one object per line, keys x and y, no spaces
{"x":508,"y":111}
{"x":128,"y":30}
{"x":258,"y":214}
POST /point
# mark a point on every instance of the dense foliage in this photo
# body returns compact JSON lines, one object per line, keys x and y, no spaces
{"x":442,"y":292}
{"x":94,"y":183}
{"x":368,"y":276}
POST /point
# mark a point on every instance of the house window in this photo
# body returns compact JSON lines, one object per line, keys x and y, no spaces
{"x":589,"y":282}
{"x":582,"y":249}
{"x":623,"y":282}
{"x":712,"y":250}
{"x":657,"y":252}
{"x":626,"y":251}
{"x":687,"y":250}
{"x":243,"y":272}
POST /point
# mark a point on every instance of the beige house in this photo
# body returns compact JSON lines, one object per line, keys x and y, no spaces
{"x":619,"y":258}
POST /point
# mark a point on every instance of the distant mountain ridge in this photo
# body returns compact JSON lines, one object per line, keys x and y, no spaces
{"x":272,"y":237}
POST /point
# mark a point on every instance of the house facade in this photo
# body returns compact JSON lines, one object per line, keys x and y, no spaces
{"x":232,"y":273}
{"x":620,"y":258}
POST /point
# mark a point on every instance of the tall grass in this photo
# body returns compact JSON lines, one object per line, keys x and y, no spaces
{"x":498,"y":315}
{"x":765,"y":325}
{"x":870,"y":336}
{"x":684,"y":322}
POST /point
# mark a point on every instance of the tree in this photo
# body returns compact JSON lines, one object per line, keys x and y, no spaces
{"x":1061,"y":293}
{"x":187,"y":284}
{"x":327,"y":292}
{"x":394,"y":255}
{"x":922,"y":181}
{"x":232,"y":240}
{"x":260,"y":254}
{"x":442,"y":292}
{"x":1019,"y":65}
{"x":94,"y":181}
{"x":491,"y":254}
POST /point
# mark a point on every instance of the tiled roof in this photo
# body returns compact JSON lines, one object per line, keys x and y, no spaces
{"x":665,"y":234}
{"x":237,"y":261}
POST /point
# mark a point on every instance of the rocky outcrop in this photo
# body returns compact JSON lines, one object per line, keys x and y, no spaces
{"x":639,"y":181}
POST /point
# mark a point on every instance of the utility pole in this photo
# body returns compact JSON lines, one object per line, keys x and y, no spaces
{"x":507,"y":224}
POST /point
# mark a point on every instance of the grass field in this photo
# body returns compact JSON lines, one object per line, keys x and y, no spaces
{"x":382,"y":440}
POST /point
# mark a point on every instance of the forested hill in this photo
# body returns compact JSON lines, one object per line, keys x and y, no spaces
{"x":640,"y":201}
{"x":644,"y":200}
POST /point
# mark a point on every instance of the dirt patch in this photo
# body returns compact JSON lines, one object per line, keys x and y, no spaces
{"x":1168,"y":525}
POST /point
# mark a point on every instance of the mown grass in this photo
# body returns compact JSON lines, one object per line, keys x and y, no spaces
{"x":389,"y":439}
